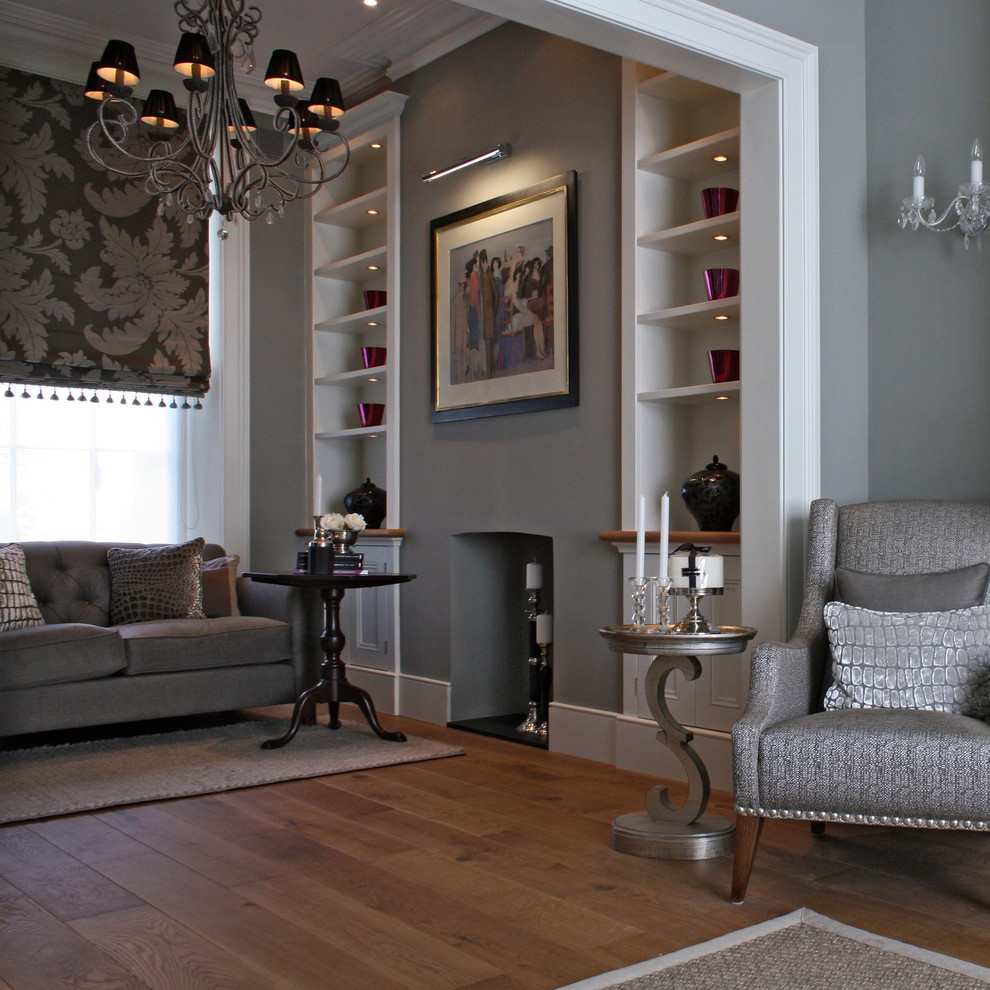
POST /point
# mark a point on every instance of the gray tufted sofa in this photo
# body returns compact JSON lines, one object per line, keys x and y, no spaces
{"x":77,"y":670}
{"x":894,"y":766}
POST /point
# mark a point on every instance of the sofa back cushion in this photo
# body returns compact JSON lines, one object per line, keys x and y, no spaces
{"x":71,"y":578}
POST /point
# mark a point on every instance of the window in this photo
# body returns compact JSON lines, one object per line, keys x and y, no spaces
{"x":90,"y":470}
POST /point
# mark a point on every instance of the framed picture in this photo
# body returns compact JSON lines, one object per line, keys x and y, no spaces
{"x":504,"y":304}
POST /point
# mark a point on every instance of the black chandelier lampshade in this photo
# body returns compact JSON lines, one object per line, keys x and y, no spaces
{"x":119,"y":64}
{"x":247,"y":118}
{"x":327,"y":100}
{"x":284,"y":72}
{"x":193,"y":57}
{"x":308,"y":123}
{"x":96,"y":86}
{"x":160,"y":111}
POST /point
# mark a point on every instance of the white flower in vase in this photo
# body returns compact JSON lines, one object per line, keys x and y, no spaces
{"x":355,"y":521}
{"x":333,"y":521}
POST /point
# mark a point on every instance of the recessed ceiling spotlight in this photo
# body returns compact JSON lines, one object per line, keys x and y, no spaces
{"x":370,"y":3}
{"x":720,"y":237}
{"x":372,"y":213}
{"x":722,"y":398}
{"x":375,"y":144}
{"x":721,"y":316}
{"x":374,"y":379}
{"x":720,"y":158}
{"x":372,"y":268}
{"x":372,"y":323}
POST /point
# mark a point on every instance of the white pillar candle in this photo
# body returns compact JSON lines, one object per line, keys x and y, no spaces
{"x":534,"y":575}
{"x":709,"y":566}
{"x":976,"y":165}
{"x":664,"y":535}
{"x":544,"y":628}
{"x":640,"y":537}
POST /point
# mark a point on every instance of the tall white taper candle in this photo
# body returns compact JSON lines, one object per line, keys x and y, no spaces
{"x":664,"y":534}
{"x":641,"y":537}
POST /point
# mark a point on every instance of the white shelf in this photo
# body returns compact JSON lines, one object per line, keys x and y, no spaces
{"x":679,"y":89}
{"x":354,"y":213}
{"x":356,"y":323}
{"x":697,"y":237}
{"x":355,"y":379}
{"x":357,"y":433}
{"x":694,"y":316}
{"x":356,"y":267}
{"x":695,"y":159}
{"x":692,"y":394}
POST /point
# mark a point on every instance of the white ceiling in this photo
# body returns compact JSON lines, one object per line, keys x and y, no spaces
{"x":364,"y":47}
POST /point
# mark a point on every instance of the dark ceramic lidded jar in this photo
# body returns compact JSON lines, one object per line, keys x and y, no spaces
{"x":712,"y":496}
{"x":369,"y":501}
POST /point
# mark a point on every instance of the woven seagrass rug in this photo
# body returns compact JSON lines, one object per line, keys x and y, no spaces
{"x":42,"y":781}
{"x":799,"y":951}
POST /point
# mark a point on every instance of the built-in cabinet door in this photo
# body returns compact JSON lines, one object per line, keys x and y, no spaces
{"x":368,"y":616}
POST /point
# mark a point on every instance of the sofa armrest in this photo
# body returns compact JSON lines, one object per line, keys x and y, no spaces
{"x":785,"y":683}
{"x":301,"y":610}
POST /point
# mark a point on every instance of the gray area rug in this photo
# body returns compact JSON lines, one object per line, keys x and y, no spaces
{"x":799,"y":951}
{"x":56,"y":780}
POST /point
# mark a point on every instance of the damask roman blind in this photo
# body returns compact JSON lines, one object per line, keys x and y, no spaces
{"x":97,"y":290}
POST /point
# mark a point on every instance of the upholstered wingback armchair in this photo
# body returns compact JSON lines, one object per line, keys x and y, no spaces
{"x":872,"y":765}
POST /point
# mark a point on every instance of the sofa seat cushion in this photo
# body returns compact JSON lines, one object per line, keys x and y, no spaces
{"x":198,"y":644}
{"x":57,"y":654}
{"x":900,"y":762}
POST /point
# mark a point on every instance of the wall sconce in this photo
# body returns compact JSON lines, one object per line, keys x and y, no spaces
{"x":971,"y":205}
{"x":502,"y":151}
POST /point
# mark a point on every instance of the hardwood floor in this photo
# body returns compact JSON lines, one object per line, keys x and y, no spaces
{"x":489,"y":871}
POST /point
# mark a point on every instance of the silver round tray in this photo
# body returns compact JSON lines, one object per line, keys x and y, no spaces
{"x":630,"y":639}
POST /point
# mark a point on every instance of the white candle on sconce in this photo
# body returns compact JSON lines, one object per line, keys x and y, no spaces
{"x":664,"y":535}
{"x":544,"y":628}
{"x":534,"y":575}
{"x":640,"y":537}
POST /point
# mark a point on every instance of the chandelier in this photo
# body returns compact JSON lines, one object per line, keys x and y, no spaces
{"x":214,"y":164}
{"x":971,"y":206}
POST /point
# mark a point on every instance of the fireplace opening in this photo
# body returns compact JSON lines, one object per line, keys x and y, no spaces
{"x":494,"y":685}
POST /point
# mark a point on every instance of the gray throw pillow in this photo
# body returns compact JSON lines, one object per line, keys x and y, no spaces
{"x":150,"y":583}
{"x":937,"y":592}
{"x":929,"y":661}
{"x":18,"y":606}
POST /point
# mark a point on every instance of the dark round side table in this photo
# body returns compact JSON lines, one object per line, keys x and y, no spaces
{"x":333,"y":686}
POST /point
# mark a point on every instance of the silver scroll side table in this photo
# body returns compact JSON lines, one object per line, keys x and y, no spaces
{"x":666,"y":830}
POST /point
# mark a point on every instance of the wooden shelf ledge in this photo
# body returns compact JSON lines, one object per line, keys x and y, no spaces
{"x":676,"y":536}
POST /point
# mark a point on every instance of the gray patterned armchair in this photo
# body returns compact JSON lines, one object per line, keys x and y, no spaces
{"x":889,"y":766}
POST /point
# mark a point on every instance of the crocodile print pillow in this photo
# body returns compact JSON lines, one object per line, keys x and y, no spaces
{"x":18,"y":606}
{"x":931,"y":661}
{"x":150,"y":583}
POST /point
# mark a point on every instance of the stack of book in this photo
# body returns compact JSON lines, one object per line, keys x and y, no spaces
{"x":348,"y":563}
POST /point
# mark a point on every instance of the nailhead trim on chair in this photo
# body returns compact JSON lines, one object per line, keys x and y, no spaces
{"x":834,"y":816}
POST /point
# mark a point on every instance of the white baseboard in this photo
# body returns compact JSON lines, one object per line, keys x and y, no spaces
{"x":400,"y":694}
{"x":631,"y":744}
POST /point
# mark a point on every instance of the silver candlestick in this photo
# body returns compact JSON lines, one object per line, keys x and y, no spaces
{"x":638,"y":585}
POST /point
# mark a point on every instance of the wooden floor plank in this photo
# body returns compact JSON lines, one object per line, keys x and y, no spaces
{"x":168,"y":956}
{"x":38,"y":952}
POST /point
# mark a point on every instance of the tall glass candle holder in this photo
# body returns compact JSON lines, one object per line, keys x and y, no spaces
{"x":639,"y":585}
{"x":661,"y":601}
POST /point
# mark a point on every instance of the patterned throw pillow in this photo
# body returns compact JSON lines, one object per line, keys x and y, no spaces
{"x":18,"y":606}
{"x":150,"y":583}
{"x":220,"y":586}
{"x":930,"y":661}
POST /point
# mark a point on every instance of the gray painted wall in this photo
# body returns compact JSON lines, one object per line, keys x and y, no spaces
{"x":928,"y":80}
{"x":553,"y":473}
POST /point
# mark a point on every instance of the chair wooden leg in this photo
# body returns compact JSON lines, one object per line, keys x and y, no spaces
{"x":748,"y":829}
{"x":817,"y":828}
